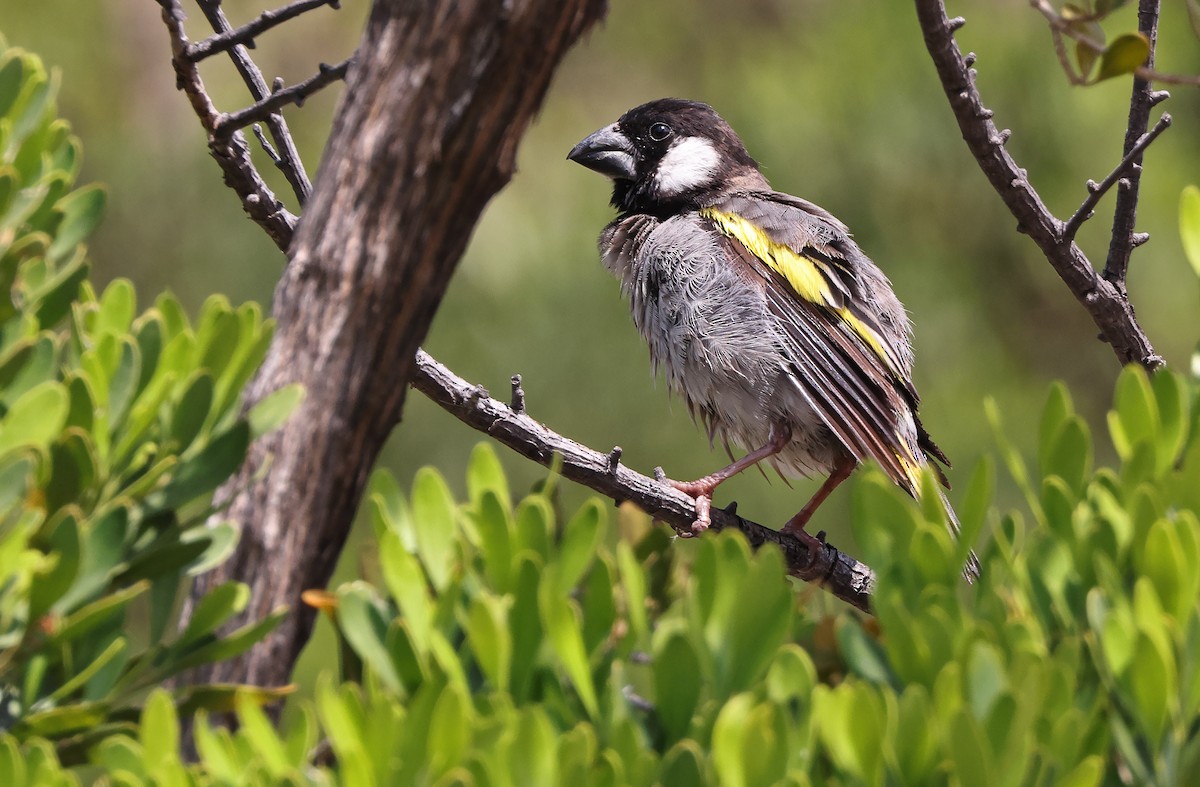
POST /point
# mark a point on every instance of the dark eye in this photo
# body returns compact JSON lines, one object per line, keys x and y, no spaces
{"x":659,"y":132}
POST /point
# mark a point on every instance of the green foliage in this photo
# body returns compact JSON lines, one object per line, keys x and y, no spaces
{"x":501,"y":643}
{"x":1077,"y":653}
{"x":115,"y":427}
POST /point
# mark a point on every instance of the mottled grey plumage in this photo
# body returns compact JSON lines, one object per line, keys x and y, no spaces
{"x":814,"y":385}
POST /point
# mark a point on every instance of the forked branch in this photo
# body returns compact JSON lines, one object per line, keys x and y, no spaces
{"x":1103,"y":297}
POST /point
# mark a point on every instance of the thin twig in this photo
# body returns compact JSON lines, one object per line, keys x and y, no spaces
{"x":246,"y":34}
{"x":1104,"y":302}
{"x":1141,"y":99}
{"x":289,"y":157}
{"x":839,"y":573}
{"x":1096,"y":191}
{"x":1061,"y":27}
{"x":296,"y":94}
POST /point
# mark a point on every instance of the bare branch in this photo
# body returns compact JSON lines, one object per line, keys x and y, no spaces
{"x":245,"y":35}
{"x":289,"y":158}
{"x":233,"y":155}
{"x":1104,"y":302}
{"x":1096,"y":191}
{"x":839,"y":573}
{"x":1120,"y":248}
{"x":296,"y":94}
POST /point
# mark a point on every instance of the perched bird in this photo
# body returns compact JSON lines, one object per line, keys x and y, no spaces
{"x":779,"y":332}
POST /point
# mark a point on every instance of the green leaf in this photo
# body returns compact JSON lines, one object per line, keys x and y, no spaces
{"x":728,"y":756}
{"x":218,"y":606}
{"x":192,"y":411}
{"x":494,"y":529}
{"x":863,"y":655}
{"x":560,"y":617}
{"x":235,"y":643}
{"x":81,"y":211}
{"x":434,"y":516}
{"x":986,"y":679}
{"x":261,"y":735}
{"x":77,"y":681}
{"x":486,"y":474}
{"x":117,"y":308}
{"x":489,"y":638}
{"x":205,"y":471}
{"x":159,"y":730}
{"x":34,"y":419}
{"x":405,"y":580}
{"x":56,"y":722}
{"x":1085,"y":56}
{"x":969,"y":751}
{"x":122,"y":387}
{"x":1189,"y":200}
{"x":1123,"y":56}
{"x":54,"y":578}
{"x":274,"y":409}
{"x":1152,"y":681}
{"x":581,"y":537}
{"x":678,"y":681}
{"x":1135,"y":415}
{"x":365,"y":628}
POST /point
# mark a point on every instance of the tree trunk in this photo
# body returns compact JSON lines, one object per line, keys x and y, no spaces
{"x":435,"y":106}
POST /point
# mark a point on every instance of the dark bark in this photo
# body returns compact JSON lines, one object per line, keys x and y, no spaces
{"x":436,"y":103}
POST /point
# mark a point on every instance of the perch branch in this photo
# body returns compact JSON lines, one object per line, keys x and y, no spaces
{"x":1106,"y":303}
{"x":839,"y":573}
{"x":1096,"y":191}
{"x":245,"y":35}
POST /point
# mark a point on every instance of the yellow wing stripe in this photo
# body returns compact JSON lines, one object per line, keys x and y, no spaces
{"x":802,"y":272}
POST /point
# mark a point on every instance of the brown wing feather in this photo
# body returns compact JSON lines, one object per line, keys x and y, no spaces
{"x":842,"y":379}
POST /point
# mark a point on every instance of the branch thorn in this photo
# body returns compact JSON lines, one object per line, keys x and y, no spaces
{"x":614,"y":459}
{"x":957,"y":23}
{"x":660,"y":475}
{"x":517,"y":403}
{"x":969,"y":58}
{"x":1138,"y":238}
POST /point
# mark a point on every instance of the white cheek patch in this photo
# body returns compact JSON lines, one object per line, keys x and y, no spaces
{"x":689,"y":164}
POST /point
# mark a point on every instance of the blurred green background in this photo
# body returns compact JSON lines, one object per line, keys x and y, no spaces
{"x":836,"y":98}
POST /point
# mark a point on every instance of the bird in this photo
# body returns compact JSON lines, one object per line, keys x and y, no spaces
{"x":778,"y":331}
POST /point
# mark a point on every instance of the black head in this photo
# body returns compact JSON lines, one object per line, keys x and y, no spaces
{"x":665,"y":156}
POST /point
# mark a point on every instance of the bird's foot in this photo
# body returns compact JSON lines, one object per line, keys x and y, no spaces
{"x":795,"y":528}
{"x":700,"y":489}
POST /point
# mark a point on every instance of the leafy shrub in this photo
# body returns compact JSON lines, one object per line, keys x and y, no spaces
{"x":114,"y":428}
{"x":500,"y":645}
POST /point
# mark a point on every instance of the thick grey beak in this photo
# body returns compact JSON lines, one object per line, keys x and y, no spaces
{"x":608,"y":152}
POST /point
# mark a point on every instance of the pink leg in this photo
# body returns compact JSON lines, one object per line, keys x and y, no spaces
{"x":702,"y":488}
{"x":842,"y":469}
